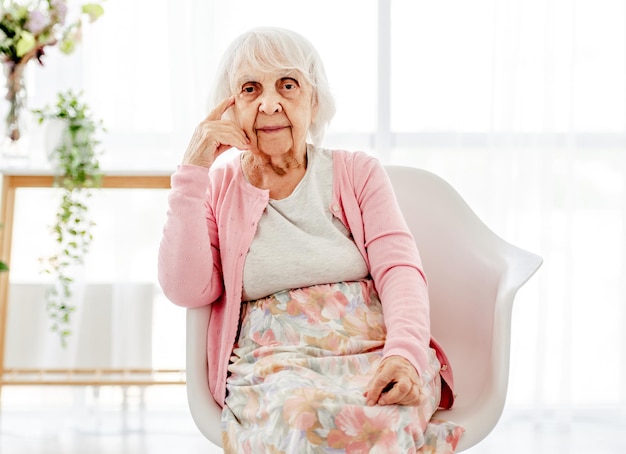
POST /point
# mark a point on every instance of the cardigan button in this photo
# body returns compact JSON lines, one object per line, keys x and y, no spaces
{"x":444,"y":367}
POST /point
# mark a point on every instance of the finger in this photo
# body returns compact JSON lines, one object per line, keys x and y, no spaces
{"x":205,"y":146}
{"x":220,"y":109}
{"x":213,"y":135}
{"x":381,"y":380}
{"x":404,"y":392}
{"x":231,"y":135}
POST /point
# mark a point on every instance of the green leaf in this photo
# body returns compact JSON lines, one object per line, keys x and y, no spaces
{"x":26,"y":43}
{"x":67,"y":46}
{"x":93,"y":10}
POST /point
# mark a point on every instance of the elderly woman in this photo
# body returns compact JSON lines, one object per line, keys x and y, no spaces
{"x":319,"y":339}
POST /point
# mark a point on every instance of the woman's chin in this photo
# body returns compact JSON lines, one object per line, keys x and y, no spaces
{"x":273,"y":148}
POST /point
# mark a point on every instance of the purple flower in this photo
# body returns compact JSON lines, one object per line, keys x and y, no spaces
{"x":37,"y":21}
{"x":60,"y":8}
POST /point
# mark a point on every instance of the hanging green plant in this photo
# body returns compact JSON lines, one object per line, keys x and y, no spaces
{"x":3,"y":266}
{"x":77,"y":171}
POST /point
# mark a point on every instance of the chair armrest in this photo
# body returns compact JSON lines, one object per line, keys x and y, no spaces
{"x":206,"y":413}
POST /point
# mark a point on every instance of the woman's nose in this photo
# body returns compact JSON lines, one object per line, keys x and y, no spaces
{"x":270,"y":103}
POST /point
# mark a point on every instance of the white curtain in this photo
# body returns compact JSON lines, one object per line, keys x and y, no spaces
{"x":520,"y":104}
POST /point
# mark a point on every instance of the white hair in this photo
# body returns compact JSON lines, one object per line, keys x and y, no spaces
{"x":272,"y":48}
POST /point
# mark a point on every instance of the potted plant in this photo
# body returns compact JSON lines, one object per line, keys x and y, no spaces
{"x":77,"y":171}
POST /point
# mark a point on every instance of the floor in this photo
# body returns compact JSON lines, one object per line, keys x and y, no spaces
{"x":51,"y":420}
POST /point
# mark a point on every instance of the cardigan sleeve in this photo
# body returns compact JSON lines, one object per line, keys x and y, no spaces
{"x":394,"y":262}
{"x":189,"y":269}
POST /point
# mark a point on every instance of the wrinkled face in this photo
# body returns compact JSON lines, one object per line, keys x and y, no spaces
{"x":275,"y":109}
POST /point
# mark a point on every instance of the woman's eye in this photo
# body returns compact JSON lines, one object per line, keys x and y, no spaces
{"x":247,"y":89}
{"x":290,"y":84}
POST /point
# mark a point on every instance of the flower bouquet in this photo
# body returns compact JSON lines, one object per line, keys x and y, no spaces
{"x":26,"y":29}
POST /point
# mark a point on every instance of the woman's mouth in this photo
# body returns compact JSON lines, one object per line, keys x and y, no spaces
{"x":271,"y":129}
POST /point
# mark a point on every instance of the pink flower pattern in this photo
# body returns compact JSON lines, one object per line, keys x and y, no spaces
{"x":298,"y":372}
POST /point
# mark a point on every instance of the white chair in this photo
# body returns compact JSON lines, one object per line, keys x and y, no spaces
{"x":473,"y":278}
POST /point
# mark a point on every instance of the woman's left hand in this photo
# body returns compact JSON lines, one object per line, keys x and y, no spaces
{"x":396,"y":382}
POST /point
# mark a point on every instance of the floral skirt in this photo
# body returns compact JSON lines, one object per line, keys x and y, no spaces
{"x":298,"y":372}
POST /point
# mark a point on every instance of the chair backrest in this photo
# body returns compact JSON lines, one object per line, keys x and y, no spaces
{"x":473,"y":277}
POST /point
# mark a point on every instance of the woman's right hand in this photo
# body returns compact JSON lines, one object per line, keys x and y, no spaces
{"x":213,"y":136}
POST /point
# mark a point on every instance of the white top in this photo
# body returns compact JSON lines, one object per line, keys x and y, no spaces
{"x":298,"y":242}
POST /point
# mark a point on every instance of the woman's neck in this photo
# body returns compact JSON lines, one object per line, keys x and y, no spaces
{"x":280,"y":175}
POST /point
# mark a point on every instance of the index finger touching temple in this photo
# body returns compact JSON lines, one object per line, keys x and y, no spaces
{"x":221,"y":108}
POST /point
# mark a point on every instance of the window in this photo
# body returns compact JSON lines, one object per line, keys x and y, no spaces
{"x":494,"y":95}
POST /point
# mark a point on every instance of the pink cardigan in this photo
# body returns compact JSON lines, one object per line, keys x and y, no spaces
{"x":211,"y":223}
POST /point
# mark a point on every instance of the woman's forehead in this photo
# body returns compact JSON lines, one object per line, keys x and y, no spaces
{"x":249,"y":73}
